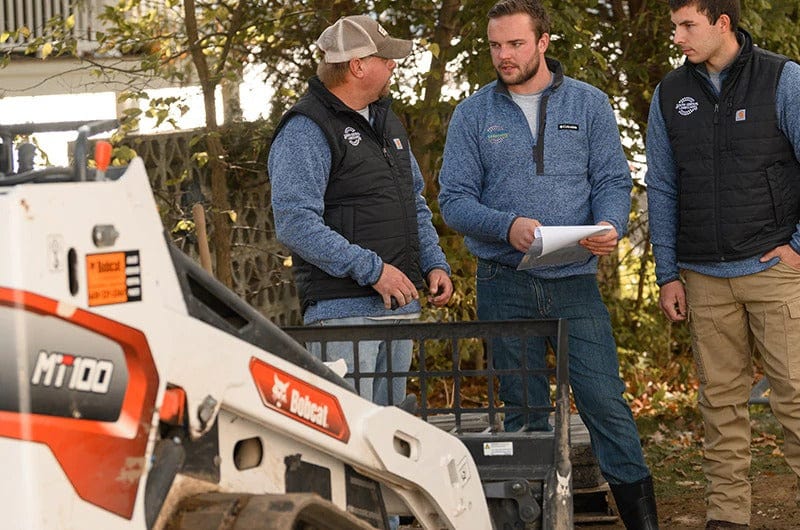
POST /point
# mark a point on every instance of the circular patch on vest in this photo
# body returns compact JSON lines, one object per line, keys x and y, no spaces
{"x":686,"y":106}
{"x":352,"y":136}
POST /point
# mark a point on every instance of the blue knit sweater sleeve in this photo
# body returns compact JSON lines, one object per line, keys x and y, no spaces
{"x":461,"y":181}
{"x":662,"y":194}
{"x":608,"y":170}
{"x":299,"y":165}
{"x":431,"y":254}
{"x":787,"y":101}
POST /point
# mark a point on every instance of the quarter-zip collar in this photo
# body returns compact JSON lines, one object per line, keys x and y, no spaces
{"x":558,"y":78}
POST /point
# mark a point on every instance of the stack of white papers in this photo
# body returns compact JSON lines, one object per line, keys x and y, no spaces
{"x":557,"y":245}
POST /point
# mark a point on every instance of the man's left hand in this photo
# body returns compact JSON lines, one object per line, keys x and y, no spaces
{"x":602,"y":244}
{"x":441,"y":287}
{"x":786,"y":254}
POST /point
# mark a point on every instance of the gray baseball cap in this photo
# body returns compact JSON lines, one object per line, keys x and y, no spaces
{"x":359,"y":36}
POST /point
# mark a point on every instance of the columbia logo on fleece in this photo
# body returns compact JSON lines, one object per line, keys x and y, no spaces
{"x":567,"y":127}
{"x":352,"y":136}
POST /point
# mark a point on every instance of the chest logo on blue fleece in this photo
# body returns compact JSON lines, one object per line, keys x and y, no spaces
{"x":568,"y":127}
{"x":496,"y":134}
{"x":352,"y":136}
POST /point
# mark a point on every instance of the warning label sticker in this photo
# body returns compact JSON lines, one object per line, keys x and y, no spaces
{"x":113,"y":278}
{"x":498,"y":449}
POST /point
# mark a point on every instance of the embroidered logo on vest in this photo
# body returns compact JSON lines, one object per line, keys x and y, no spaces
{"x":352,"y":136}
{"x":567,"y":127}
{"x":686,"y":106}
{"x":741,"y":114}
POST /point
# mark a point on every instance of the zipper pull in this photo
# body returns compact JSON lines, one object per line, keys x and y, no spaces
{"x":388,"y":157}
{"x":716,"y":113}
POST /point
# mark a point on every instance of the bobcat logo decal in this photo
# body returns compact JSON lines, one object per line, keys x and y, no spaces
{"x":279,"y":391}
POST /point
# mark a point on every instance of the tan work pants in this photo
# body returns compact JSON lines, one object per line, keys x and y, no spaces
{"x":729,"y":318}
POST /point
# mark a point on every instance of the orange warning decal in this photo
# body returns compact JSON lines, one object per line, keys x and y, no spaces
{"x":113,"y":278}
{"x":299,"y":400}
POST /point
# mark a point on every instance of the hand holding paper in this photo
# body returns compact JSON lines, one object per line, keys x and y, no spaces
{"x":557,"y":245}
{"x":522,"y":233}
{"x":602,"y":244}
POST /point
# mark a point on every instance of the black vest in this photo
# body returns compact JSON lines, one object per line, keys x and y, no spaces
{"x":370,"y":197}
{"x":738,"y":178}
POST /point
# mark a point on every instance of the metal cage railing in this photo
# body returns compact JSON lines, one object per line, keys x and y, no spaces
{"x":531,"y":469}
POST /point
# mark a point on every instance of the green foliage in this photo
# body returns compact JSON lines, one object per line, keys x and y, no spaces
{"x":57,"y":39}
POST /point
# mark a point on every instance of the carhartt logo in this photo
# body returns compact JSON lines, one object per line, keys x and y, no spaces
{"x":741,"y":114}
{"x":352,"y":136}
{"x":686,"y":106}
{"x":398,"y":144}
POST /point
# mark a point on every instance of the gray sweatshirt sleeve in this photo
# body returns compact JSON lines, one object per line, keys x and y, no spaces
{"x":299,"y":166}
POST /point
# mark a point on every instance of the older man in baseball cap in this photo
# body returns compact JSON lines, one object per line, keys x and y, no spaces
{"x":347,"y":200}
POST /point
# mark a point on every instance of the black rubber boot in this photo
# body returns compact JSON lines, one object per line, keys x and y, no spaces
{"x":636,"y":503}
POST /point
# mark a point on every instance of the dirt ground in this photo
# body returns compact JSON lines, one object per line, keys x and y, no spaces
{"x":774,"y":507}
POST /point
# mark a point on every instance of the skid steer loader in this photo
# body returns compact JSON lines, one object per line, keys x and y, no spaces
{"x":138,"y":392}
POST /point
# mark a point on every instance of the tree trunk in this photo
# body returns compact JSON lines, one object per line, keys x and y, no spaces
{"x":220,"y":217}
{"x":231,"y":101}
{"x":426,"y":134}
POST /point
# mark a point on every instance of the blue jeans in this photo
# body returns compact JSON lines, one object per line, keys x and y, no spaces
{"x":506,"y":294}
{"x":373,"y":357}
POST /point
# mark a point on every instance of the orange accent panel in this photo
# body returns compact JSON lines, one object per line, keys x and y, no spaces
{"x":104,"y":461}
{"x":173,"y":408}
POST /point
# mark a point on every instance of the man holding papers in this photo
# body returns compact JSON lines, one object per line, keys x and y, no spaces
{"x":538,"y":149}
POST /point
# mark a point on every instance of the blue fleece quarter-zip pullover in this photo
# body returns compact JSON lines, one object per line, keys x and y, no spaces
{"x":572,"y":172}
